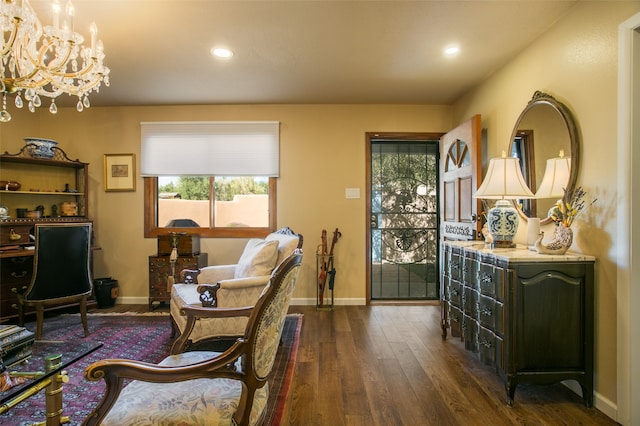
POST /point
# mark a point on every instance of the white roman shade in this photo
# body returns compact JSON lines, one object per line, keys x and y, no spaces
{"x":210,"y":148}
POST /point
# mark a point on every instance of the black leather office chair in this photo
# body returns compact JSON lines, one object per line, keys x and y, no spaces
{"x":61,"y":271}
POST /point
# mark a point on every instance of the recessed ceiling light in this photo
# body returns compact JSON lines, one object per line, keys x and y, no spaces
{"x":451,"y":51}
{"x":220,"y":52}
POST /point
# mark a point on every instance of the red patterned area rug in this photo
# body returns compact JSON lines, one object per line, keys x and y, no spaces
{"x":140,"y":337}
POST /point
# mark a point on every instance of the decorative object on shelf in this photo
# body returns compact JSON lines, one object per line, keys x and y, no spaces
{"x":503,"y":182}
{"x":488,"y":239}
{"x":562,"y":240}
{"x":119,"y":172}
{"x":9,"y":185}
{"x":40,"y":148}
{"x":33,"y":214}
{"x":4,"y":212}
{"x":69,"y":208}
{"x":47,"y":60}
{"x":533,"y":231}
{"x":563,"y":214}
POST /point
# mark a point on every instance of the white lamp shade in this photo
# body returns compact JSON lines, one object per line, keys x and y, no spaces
{"x":556,"y":178}
{"x":504,"y":180}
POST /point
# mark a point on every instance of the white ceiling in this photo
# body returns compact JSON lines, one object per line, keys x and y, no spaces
{"x":303,"y":51}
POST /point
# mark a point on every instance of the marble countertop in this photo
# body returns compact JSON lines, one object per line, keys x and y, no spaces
{"x":519,"y":254}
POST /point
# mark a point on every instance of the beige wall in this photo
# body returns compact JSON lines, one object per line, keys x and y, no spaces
{"x":322,"y":152}
{"x":576,"y":61}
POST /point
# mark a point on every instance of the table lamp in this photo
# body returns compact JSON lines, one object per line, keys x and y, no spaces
{"x":503,"y":182}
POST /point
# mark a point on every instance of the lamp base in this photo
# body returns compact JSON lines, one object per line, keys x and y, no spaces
{"x":503,"y":244}
{"x":502,"y":221}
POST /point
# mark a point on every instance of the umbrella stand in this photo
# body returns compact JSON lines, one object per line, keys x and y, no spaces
{"x":326,"y":274}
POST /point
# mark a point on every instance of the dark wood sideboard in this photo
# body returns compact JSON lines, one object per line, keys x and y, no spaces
{"x":528,"y":315}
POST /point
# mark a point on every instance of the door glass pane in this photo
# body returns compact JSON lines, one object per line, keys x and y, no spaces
{"x":404,"y":234}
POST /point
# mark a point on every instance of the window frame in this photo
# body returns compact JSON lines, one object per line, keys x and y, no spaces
{"x":152,"y":230}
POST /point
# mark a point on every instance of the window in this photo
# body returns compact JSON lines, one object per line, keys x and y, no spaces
{"x":225,"y":187}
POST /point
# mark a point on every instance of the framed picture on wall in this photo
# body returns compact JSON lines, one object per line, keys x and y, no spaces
{"x":119,"y":172}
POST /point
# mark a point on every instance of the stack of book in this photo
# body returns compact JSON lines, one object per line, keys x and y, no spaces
{"x":15,"y":344}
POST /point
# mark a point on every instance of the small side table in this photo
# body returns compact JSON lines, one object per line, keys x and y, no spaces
{"x":160,"y":269}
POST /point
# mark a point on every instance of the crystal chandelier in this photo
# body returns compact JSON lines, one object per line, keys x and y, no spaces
{"x":46,"y":61}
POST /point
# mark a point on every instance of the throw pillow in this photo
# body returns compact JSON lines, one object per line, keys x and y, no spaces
{"x":258,"y":258}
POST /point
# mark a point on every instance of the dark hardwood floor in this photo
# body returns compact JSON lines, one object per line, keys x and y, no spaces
{"x":388,"y":365}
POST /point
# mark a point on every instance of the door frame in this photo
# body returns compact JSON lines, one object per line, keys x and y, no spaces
{"x":400,"y":137}
{"x":628,"y":236}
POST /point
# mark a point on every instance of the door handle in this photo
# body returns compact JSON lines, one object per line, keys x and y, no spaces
{"x":373,"y":221}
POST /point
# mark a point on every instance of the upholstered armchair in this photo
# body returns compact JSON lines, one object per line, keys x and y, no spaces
{"x":196,"y":301}
{"x":200,"y":387}
{"x":62,"y":272}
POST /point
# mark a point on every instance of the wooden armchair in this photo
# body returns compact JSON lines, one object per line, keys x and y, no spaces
{"x":194,"y":301}
{"x":203,"y":387}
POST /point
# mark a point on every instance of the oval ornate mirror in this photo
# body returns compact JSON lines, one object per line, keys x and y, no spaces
{"x":545,"y":130}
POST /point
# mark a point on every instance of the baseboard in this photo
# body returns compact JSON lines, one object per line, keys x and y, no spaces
{"x":607,"y":407}
{"x":336,"y":302}
{"x":132,"y":300}
{"x":294,"y":301}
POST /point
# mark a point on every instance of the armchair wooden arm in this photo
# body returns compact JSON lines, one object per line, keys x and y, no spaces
{"x":116,"y":371}
{"x":209,"y":294}
{"x":189,"y":276}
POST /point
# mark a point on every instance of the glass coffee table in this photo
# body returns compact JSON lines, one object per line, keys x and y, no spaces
{"x":45,"y":369}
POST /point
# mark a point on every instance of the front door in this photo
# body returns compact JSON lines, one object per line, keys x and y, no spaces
{"x":403,"y":216}
{"x":461,"y":168}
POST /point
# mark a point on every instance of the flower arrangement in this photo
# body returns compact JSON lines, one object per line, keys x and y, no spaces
{"x":567,"y":209}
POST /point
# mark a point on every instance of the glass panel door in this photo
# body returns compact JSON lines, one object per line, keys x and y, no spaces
{"x":404,"y":220}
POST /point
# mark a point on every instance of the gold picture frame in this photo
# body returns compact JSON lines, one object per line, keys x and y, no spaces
{"x":119,"y":172}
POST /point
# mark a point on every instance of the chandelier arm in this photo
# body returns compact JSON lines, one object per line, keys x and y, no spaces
{"x":56,"y":62}
{"x":75,"y":74}
{"x":12,"y":39}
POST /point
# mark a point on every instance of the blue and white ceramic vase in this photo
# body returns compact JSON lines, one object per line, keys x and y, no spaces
{"x":503,"y":221}
{"x":40,"y":148}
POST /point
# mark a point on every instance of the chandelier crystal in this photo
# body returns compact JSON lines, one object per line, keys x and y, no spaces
{"x":46,"y":61}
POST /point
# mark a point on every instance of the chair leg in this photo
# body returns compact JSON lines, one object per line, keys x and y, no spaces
{"x":83,"y":315}
{"x":174,"y":328}
{"x":39,"y":320}
{"x":20,"y":313}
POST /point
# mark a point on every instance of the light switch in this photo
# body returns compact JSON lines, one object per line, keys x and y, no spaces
{"x":352,"y":192}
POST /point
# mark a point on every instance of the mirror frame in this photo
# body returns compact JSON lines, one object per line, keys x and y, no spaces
{"x":542,"y":98}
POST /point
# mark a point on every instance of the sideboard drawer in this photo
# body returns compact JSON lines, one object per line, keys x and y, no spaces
{"x":455,"y":293}
{"x":16,"y":270}
{"x":16,"y":234}
{"x":491,"y":281}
